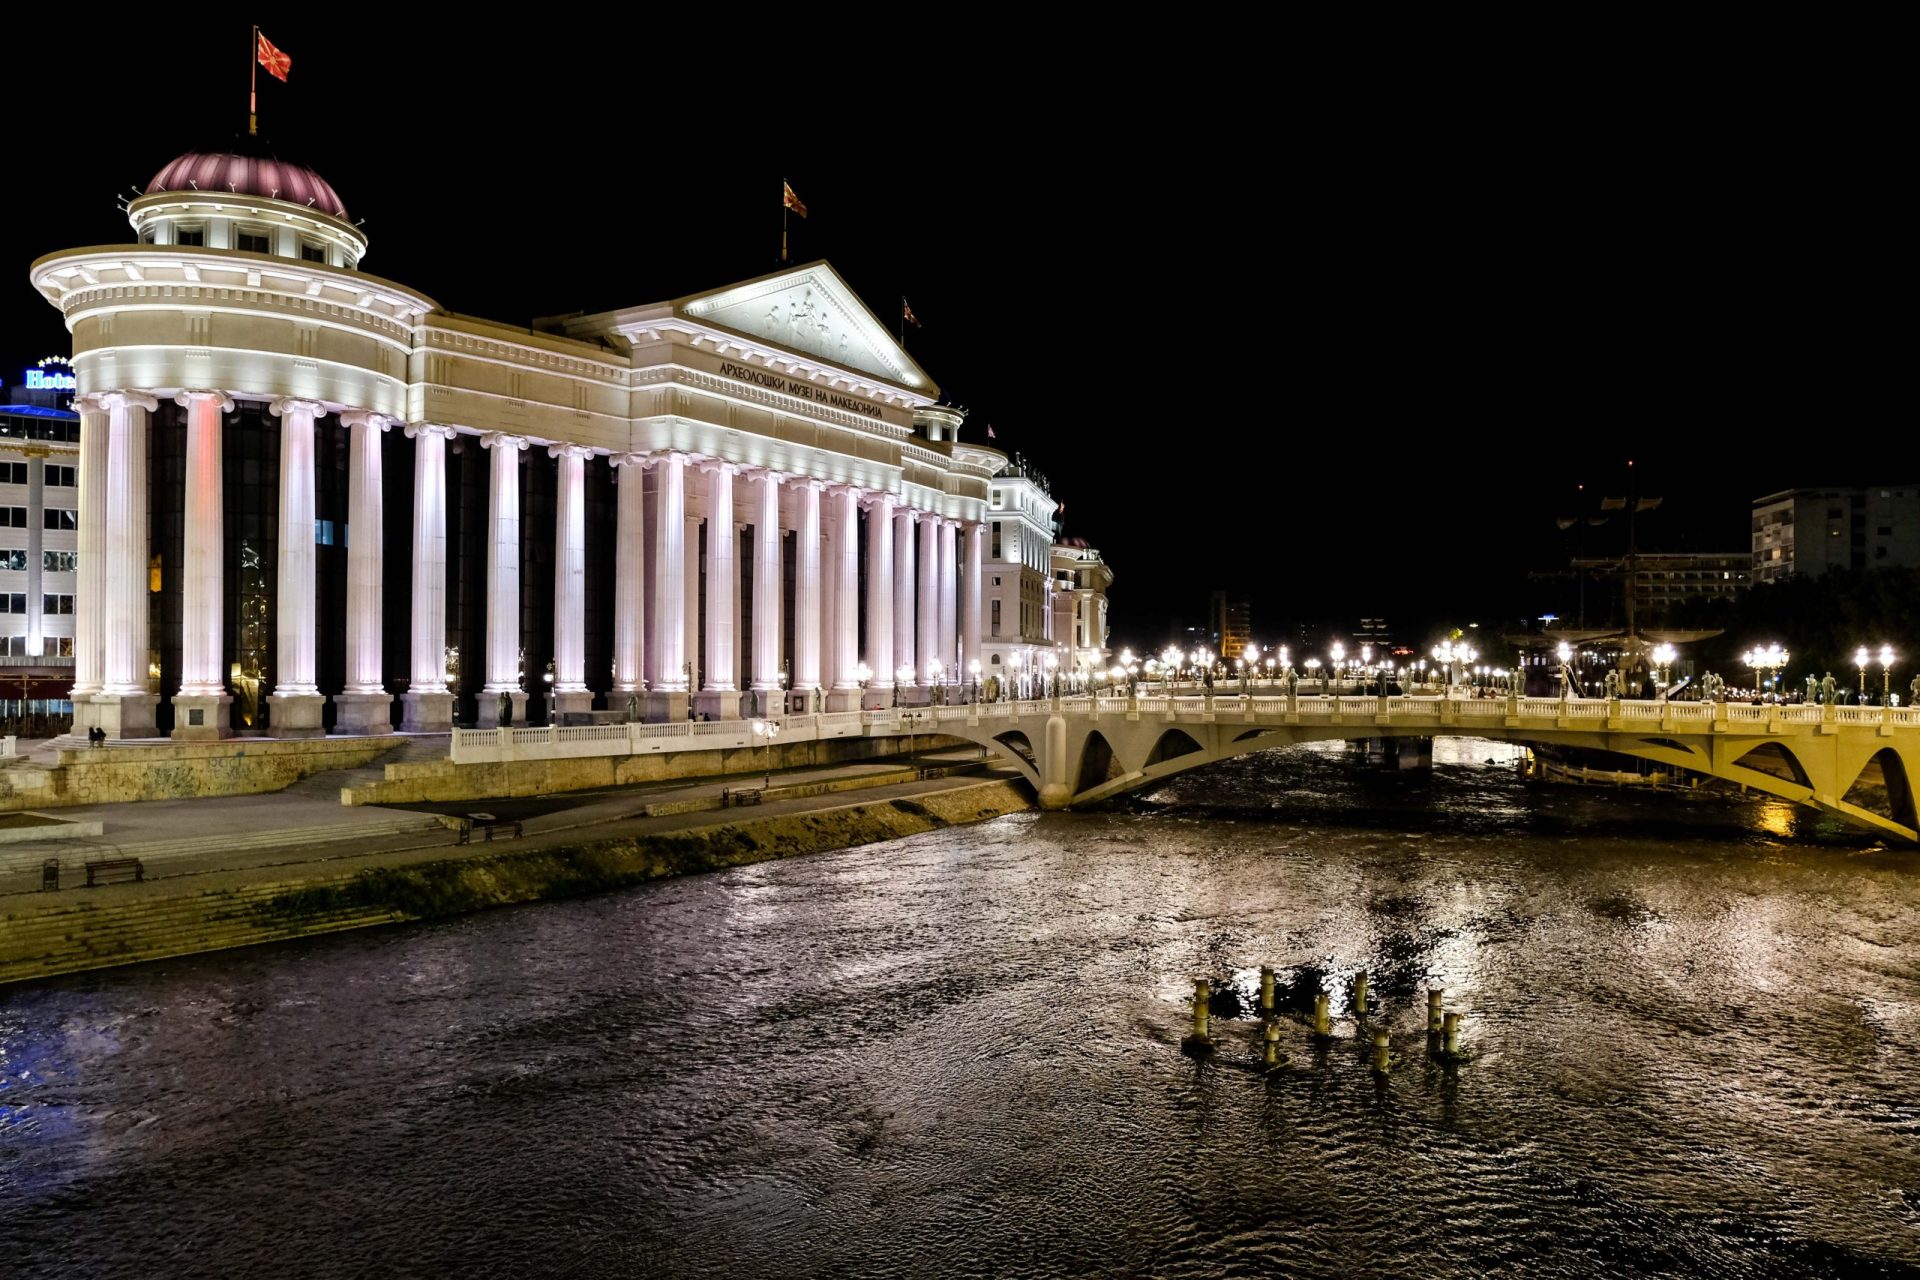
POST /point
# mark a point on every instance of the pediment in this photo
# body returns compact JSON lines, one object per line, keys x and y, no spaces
{"x":810,"y":311}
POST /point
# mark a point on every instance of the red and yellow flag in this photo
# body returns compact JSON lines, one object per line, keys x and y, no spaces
{"x":791,"y":200}
{"x":276,"y":62}
{"x":907,"y":316}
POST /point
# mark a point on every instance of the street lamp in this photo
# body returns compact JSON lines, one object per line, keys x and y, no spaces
{"x":1019,"y":663}
{"x":903,"y":675}
{"x":935,"y":670}
{"x":1053,"y":671}
{"x":1336,"y":658}
{"x":1860,"y":660}
{"x":765,"y":729}
{"x":1886,"y":675}
{"x":1663,"y":656}
{"x":1565,"y":653}
{"x":973,"y":669}
{"x":1313,"y":671}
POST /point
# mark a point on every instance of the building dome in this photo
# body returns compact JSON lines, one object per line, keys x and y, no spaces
{"x":257,"y":175}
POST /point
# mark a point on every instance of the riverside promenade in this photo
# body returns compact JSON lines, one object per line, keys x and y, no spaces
{"x":224,"y":859}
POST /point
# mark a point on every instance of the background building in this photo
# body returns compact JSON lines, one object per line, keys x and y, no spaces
{"x":1019,"y":582}
{"x":1080,"y":582}
{"x":1231,"y":624}
{"x":1809,"y":531}
{"x":39,"y":521}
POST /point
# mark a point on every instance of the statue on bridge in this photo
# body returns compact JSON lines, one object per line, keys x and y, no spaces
{"x":1613,"y":685}
{"x":1813,"y":688}
{"x":1827,"y":688}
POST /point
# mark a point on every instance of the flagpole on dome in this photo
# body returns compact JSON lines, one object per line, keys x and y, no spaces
{"x":253,"y":84}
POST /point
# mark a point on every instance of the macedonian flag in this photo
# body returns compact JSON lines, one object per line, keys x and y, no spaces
{"x":276,"y":62}
{"x":791,"y":200}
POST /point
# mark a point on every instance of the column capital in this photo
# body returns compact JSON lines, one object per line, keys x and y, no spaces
{"x":878,"y":500}
{"x":415,"y":430}
{"x":842,"y":486}
{"x":713,"y":466}
{"x":568,"y":451}
{"x":627,"y":460}
{"x":501,"y":440}
{"x":292,"y":404}
{"x":122,"y":400}
{"x":754,"y":471}
{"x":368,"y":418}
{"x":186,"y":398}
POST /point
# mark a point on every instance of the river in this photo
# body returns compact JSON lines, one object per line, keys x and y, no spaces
{"x":1694,"y":1029}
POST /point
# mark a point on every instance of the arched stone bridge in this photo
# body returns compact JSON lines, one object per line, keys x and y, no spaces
{"x":1079,"y":750}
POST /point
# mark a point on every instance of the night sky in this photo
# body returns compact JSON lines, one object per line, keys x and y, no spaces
{"x":1344,"y":345}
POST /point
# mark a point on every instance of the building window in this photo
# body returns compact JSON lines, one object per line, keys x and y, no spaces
{"x":13,"y":646}
{"x":995,"y":553}
{"x":60,"y":518}
{"x":313,"y":252}
{"x":13,"y":473}
{"x":16,"y":517}
{"x":254,"y":240}
{"x":996,"y":617}
{"x":65,"y":477}
{"x":57,"y":561}
{"x":13,"y":558}
{"x":13,"y":602}
{"x":194,"y":236}
{"x":146,"y":235}
{"x":52,"y":604}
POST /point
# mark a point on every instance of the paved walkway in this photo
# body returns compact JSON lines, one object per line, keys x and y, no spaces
{"x":225,"y":833}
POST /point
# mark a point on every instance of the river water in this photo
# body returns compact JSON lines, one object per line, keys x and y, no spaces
{"x":1694,"y":1028}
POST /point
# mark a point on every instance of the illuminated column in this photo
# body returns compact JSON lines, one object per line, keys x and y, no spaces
{"x":929,"y":647}
{"x":362,"y":705}
{"x":903,"y":592}
{"x":668,"y":700}
{"x":200,"y":707}
{"x":949,"y":597}
{"x":570,"y":693}
{"x":717,"y":695}
{"x":690,"y":603}
{"x":846,"y":599}
{"x":503,"y":581}
{"x":90,"y":579}
{"x":880,"y":616}
{"x":296,"y":702}
{"x":629,"y":573}
{"x":125,"y":708}
{"x":427,"y":705}
{"x":806,"y":590}
{"x":766,"y":583}
{"x":971,"y":628}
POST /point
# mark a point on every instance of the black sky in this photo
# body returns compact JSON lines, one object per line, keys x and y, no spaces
{"x":1340,"y":331}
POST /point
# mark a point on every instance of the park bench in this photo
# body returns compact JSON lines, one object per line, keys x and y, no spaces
{"x":487,"y":823}
{"x":106,"y":870}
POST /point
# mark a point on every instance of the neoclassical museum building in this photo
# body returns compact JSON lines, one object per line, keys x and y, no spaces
{"x":311,"y":499}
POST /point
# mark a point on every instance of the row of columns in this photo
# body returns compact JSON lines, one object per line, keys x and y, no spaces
{"x":655,"y":628}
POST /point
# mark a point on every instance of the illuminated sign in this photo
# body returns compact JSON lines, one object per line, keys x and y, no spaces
{"x":42,"y":380}
{"x":795,"y":387}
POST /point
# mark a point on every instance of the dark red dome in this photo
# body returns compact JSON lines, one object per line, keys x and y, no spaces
{"x":216,"y":171}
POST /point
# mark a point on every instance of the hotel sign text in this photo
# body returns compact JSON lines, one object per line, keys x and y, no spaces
{"x":794,"y":387}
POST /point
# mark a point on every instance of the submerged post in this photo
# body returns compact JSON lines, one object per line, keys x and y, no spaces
{"x":1436,"y":1002}
{"x":1266,"y":990}
{"x":1322,"y":1022}
{"x":1197,"y":1043}
{"x":1382,"y":1055}
{"x":1450,"y":1046}
{"x":1273,"y":1046}
{"x":1360,"y":993}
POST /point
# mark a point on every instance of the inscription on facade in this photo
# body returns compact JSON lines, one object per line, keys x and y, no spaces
{"x":794,"y":387}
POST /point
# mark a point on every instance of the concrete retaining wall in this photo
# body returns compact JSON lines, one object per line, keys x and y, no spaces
{"x":181,"y":770}
{"x":445,"y":780}
{"x":41,"y":936}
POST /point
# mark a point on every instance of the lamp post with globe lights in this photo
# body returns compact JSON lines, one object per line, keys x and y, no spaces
{"x":902,"y":676}
{"x":1663,"y":656}
{"x":1860,"y":659}
{"x":765,"y":731}
{"x":973,"y":671}
{"x":936,"y":669}
{"x":1053,"y":674}
{"x":1564,"y":652}
{"x":1771,"y":658}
